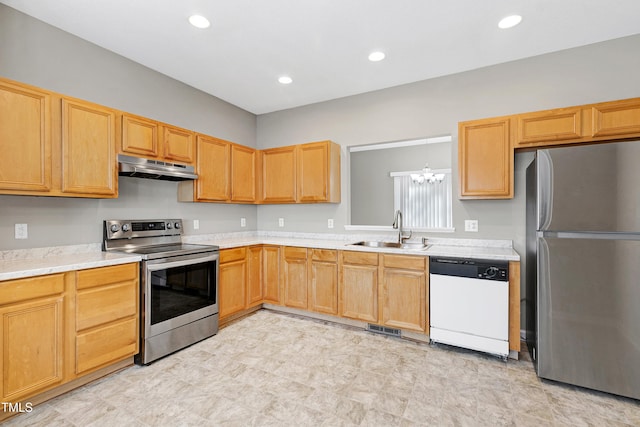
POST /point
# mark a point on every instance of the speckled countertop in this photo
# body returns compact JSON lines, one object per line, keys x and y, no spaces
{"x":22,"y":263}
{"x":59,"y":259}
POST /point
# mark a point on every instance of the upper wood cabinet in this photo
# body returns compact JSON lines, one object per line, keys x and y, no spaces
{"x":212,"y":168}
{"x":486,"y":147}
{"x":226,"y":173}
{"x":178,"y":144}
{"x":485,"y":159}
{"x":25,"y":138}
{"x":243,"y":174}
{"x":89,"y":138}
{"x":306,"y":173}
{"x":278,"y":166}
{"x":616,"y":119}
{"x":139,"y":136}
{"x":319,"y":172}
{"x":549,"y":126}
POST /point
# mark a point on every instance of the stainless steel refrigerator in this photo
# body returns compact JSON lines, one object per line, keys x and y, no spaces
{"x":583,"y":266}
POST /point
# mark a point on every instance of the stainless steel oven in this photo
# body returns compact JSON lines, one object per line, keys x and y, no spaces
{"x":178,"y":284}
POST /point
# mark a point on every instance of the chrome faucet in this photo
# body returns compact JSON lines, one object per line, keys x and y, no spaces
{"x":397,"y":223}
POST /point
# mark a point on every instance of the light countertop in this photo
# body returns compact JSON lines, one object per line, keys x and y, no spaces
{"x":40,"y":261}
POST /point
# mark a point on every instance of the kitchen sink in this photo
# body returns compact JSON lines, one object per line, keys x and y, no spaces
{"x":406,"y":245}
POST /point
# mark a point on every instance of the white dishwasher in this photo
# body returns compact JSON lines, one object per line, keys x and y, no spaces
{"x":469,"y":304}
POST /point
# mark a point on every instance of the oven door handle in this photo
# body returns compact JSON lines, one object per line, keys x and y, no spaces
{"x":166,"y":264}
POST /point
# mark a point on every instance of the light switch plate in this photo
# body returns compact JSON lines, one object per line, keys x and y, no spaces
{"x":471,"y":225}
{"x":280,"y":222}
{"x":196,"y":224}
{"x":243,"y":222}
{"x":330,"y":223}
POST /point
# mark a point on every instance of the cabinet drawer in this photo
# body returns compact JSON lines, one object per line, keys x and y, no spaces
{"x":106,"y":345}
{"x":326,"y":255}
{"x":106,"y":304}
{"x":293,"y":252}
{"x":106,"y":275}
{"x":235,"y":254}
{"x":407,"y":262}
{"x":32,"y":287}
{"x":366,"y":258}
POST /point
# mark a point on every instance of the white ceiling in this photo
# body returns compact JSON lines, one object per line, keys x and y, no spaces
{"x":323,"y":44}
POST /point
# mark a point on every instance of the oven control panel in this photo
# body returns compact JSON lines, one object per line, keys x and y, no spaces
{"x":127,"y":229}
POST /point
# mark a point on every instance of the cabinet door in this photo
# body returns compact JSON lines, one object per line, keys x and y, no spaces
{"x":295,"y":277}
{"x":404,"y":292}
{"x":358,"y":286}
{"x":178,"y":144}
{"x":313,"y":168}
{"x":279,"y":175}
{"x":485,"y":159}
{"x":243,"y":174}
{"x":323,"y":282}
{"x":318,"y":172}
{"x":553,"y":126}
{"x":213,"y":163}
{"x":232,"y":281}
{"x":616,"y":119}
{"x":89,"y":165}
{"x":271,"y":274}
{"x":31,"y":336}
{"x":139,"y":136}
{"x":25,"y":138}
{"x":255,"y":276}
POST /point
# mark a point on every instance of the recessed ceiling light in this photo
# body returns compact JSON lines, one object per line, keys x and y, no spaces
{"x":285,"y":80}
{"x":199,"y":21}
{"x":509,"y":21}
{"x":376,"y":56}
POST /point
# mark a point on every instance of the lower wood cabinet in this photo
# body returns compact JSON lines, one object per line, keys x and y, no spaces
{"x":255,"y":291}
{"x":32,"y":335}
{"x":358,"y":286}
{"x":59,"y":327}
{"x":323,"y":281}
{"x":294,"y":277}
{"x":107,"y":301}
{"x":403,"y":292}
{"x":271,"y":274}
{"x":232,"y":282}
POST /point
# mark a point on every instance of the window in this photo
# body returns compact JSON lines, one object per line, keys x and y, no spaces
{"x":425,"y":206}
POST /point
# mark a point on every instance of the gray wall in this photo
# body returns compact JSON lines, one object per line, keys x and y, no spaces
{"x":39,"y":54}
{"x":372,"y":186}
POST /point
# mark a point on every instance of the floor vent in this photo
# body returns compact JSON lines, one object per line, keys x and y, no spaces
{"x":383,"y":330}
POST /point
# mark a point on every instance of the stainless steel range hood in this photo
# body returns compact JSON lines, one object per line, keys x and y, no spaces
{"x":154,"y":169}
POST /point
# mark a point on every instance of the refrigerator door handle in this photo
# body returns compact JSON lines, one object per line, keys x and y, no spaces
{"x":543,"y":299}
{"x":545,"y":189}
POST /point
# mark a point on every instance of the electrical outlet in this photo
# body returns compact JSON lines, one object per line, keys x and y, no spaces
{"x":330,"y":223}
{"x":280,"y":222}
{"x":243,"y":222}
{"x":196,"y":224}
{"x":471,"y":225}
{"x":22,"y":231}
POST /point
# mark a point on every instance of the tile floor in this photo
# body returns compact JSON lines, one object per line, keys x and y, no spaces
{"x":273,"y":369}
